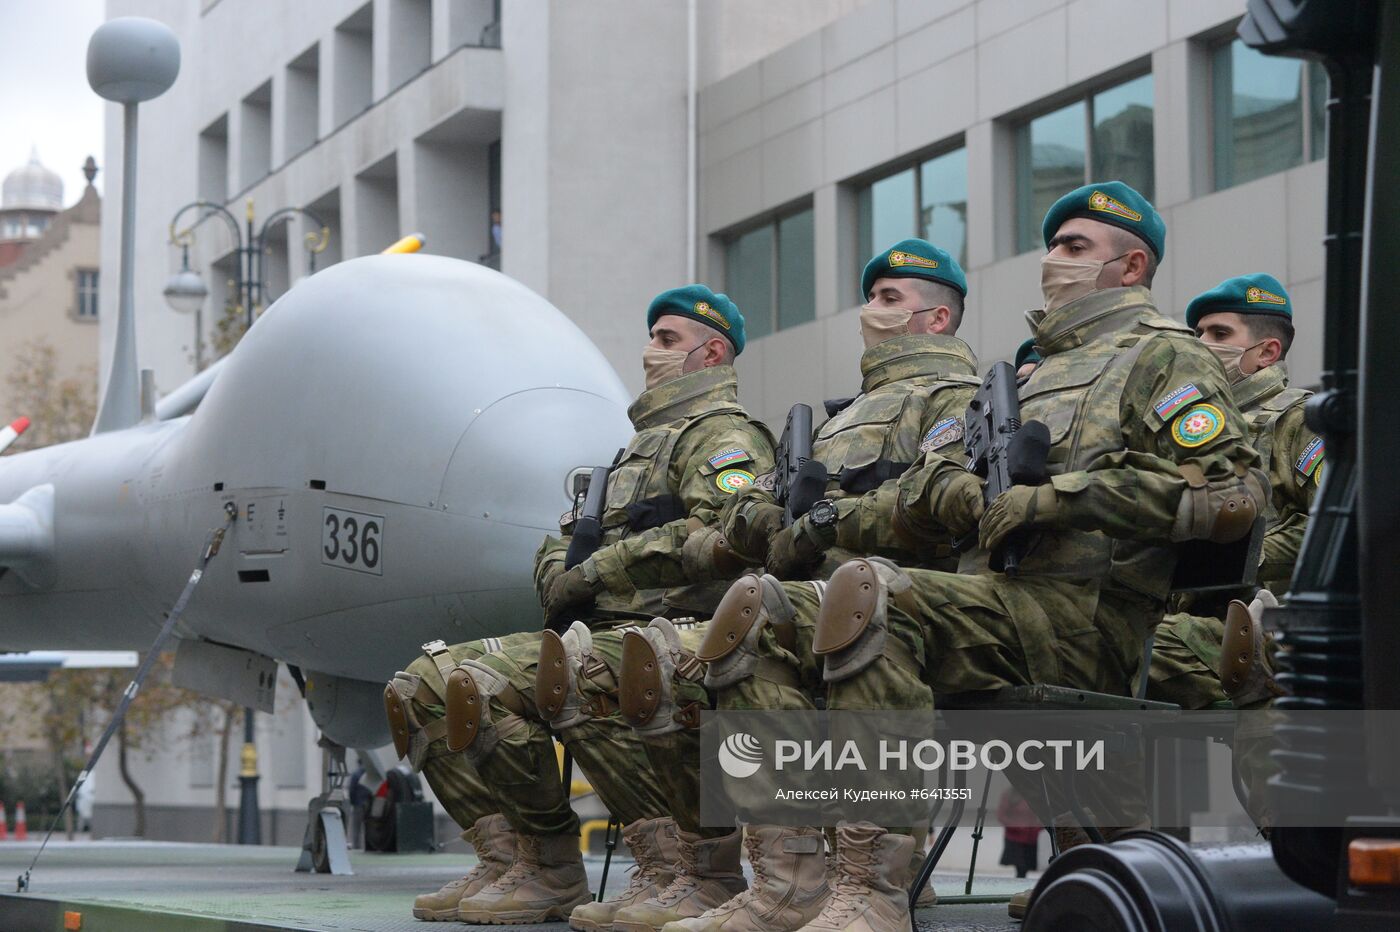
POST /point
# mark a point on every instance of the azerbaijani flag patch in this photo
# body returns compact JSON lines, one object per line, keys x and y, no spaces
{"x":1176,"y":400}
{"x":941,"y":434}
{"x":735,"y":455}
{"x":1310,"y":459}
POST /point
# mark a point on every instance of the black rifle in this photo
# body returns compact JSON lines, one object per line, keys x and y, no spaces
{"x":799,"y":480}
{"x":588,"y":529}
{"x":1003,"y":451}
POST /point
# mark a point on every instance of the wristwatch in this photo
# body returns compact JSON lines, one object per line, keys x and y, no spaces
{"x":822,"y":514}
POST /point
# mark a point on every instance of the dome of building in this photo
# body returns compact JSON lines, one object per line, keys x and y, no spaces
{"x":33,"y":187}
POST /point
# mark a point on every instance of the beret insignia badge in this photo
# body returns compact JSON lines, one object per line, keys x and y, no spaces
{"x":1258,"y":295}
{"x":704,"y":310}
{"x":898,"y":259}
{"x":1100,"y":201}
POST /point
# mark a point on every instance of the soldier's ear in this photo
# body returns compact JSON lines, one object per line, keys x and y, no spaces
{"x":1135,"y":267}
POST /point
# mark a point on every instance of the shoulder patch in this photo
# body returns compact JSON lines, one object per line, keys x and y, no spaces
{"x":734,"y":480}
{"x":1176,"y":400}
{"x":768,"y":482}
{"x":946,"y":431}
{"x":726,"y":457}
{"x":567,"y":518}
{"x":1198,"y":426}
{"x":1310,"y":459}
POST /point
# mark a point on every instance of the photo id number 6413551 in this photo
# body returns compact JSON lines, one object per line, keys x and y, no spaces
{"x":352,"y":540}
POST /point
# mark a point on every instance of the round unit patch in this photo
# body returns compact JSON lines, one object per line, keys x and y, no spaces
{"x":1199,"y":425}
{"x":734,"y":480}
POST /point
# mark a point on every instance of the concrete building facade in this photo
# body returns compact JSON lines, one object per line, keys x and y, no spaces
{"x":767,"y":149}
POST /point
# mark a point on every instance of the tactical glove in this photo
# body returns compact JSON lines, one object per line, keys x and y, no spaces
{"x":797,"y":548}
{"x":1021,"y":506}
{"x":956,"y":502}
{"x":568,"y":594}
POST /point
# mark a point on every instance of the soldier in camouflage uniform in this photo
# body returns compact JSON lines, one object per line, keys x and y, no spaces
{"x":695,"y":447}
{"x":1147,"y":451}
{"x":1247,"y":322}
{"x":917,"y":380}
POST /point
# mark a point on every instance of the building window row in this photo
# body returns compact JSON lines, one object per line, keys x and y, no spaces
{"x":1268,"y":115}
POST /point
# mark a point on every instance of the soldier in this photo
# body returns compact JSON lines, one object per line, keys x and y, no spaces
{"x":917,"y":380}
{"x":1147,"y":451}
{"x":695,"y":447}
{"x":1247,"y":322}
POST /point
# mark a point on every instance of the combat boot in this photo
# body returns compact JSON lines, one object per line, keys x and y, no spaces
{"x":707,"y":874}
{"x":653,"y":846}
{"x":546,"y":881}
{"x":788,"y":890}
{"x":870,"y":892}
{"x":494,"y":842}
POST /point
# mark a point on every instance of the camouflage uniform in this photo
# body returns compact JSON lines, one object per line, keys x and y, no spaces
{"x":1186,"y":655}
{"x":695,"y":447}
{"x":1146,"y":444}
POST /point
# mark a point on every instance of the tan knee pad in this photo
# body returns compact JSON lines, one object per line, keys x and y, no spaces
{"x":730,"y":648}
{"x":470,"y":729}
{"x":557,"y":694}
{"x":652,"y":659}
{"x":411,"y":737}
{"x":853,"y":625}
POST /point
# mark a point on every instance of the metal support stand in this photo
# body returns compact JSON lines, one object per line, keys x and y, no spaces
{"x":610,"y":836}
{"x":977,"y":832}
{"x":323,"y":847}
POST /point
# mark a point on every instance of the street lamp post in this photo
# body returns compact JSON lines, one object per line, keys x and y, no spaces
{"x":185,"y":293}
{"x":250,"y":248}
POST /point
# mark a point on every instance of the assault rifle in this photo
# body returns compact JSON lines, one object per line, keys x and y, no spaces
{"x":799,"y":480}
{"x":588,"y":529}
{"x":1003,"y":451}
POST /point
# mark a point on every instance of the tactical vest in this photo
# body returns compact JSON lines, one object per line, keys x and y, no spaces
{"x":877,"y":436}
{"x":1076,"y":391}
{"x":1264,"y":397}
{"x":640,"y":495}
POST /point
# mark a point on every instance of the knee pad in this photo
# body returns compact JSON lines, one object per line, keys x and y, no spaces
{"x":652,"y":659}
{"x":557,"y":694}
{"x":470,"y":729}
{"x":730,"y":648}
{"x":853,"y":625}
{"x":411,"y":737}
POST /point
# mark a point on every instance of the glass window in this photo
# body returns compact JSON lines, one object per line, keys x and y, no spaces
{"x":1268,"y":112}
{"x":749,"y":279}
{"x":87,"y":294}
{"x":771,"y":274}
{"x":1122,"y":142}
{"x":927,"y":200}
{"x":1050,"y":162}
{"x":943,"y":203}
{"x":796,"y":270}
{"x":1107,"y":136}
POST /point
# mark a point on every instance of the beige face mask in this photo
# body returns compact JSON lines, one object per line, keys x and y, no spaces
{"x":663,"y":365}
{"x":880,"y":323}
{"x":1231,"y":358}
{"x":1066,"y":280}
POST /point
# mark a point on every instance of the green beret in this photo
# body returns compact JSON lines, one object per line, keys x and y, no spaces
{"x":1026,"y":353}
{"x":1109,"y":202}
{"x":700,"y":303}
{"x":1256,"y":293}
{"x":914,"y":258}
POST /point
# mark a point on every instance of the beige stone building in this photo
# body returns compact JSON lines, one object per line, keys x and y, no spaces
{"x":48,"y":275}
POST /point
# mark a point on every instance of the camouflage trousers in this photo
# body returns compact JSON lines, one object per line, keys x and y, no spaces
{"x":951,"y":633}
{"x":1185,"y":670}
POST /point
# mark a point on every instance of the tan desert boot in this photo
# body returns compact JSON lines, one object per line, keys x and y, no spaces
{"x":546,"y":881}
{"x":494,"y":842}
{"x":788,"y":890}
{"x":707,"y":875}
{"x":870,"y":892}
{"x":653,"y":846}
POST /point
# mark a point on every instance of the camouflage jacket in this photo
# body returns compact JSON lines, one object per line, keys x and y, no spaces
{"x":914,"y":392}
{"x":1291,"y":454}
{"x":694,"y":448}
{"x":1129,"y":397}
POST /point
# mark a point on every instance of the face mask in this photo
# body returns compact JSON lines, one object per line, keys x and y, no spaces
{"x":879,"y":323}
{"x":663,"y":365}
{"x":1066,"y":280}
{"x":1231,"y":357}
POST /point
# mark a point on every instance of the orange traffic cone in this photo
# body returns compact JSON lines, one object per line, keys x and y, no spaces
{"x":21,"y":826}
{"x":3,"y":818}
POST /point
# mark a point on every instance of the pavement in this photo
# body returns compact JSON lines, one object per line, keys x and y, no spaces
{"x":141,"y":886}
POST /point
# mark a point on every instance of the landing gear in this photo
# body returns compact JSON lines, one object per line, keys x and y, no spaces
{"x":323,"y":847}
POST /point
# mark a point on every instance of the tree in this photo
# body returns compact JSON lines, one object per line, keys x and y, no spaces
{"x":60,"y":409}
